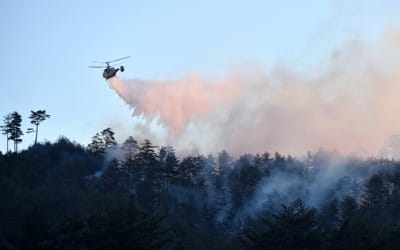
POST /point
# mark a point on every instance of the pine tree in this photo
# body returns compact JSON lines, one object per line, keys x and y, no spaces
{"x":293,"y":227}
{"x":147,"y":159}
{"x":102,"y":141}
{"x":169,"y":163}
{"x":129,"y":164}
{"x":376,"y":192}
{"x":131,"y":148}
{"x":36,"y":118}
{"x":97,"y":145}
{"x":108,"y":138}
{"x":15,"y":129}
{"x":6,"y":128}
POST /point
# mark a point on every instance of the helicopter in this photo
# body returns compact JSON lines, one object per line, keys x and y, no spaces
{"x":109,"y":71}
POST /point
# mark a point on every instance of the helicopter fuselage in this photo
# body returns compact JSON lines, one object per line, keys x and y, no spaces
{"x":110,"y":72}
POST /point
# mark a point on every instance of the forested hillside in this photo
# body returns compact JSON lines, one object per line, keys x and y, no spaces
{"x":137,"y":195}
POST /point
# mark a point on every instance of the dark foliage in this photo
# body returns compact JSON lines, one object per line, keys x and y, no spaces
{"x":63,"y":195}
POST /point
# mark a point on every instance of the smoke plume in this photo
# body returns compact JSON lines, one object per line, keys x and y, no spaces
{"x":349,"y":103}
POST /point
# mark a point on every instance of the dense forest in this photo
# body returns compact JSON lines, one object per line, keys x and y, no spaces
{"x":137,"y":195}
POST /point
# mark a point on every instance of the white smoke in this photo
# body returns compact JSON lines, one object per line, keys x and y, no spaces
{"x":350,"y":103}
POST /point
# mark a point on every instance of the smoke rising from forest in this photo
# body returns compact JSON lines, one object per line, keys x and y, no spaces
{"x":349,"y":103}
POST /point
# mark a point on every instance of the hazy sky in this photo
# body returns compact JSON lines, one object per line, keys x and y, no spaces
{"x":46,"y":46}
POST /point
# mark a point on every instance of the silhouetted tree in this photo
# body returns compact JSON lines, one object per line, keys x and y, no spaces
{"x":393,"y":201}
{"x":102,"y":141}
{"x":6,"y":127}
{"x":96,"y":146}
{"x":114,"y":180}
{"x":37,"y":117}
{"x":354,"y":234}
{"x":348,"y":208}
{"x":328,"y":217}
{"x":169,"y":163}
{"x":131,"y":148}
{"x":243,"y":180}
{"x":376,"y":192}
{"x":129,"y":164}
{"x":148,"y":186}
{"x":148,"y":159}
{"x":188,"y":170}
{"x":293,"y":227}
{"x":224,"y":164}
{"x":108,"y":138}
{"x":15,"y":129}
{"x":279,"y":162}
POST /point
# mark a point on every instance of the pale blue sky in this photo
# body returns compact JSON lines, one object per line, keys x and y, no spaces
{"x":46,"y":46}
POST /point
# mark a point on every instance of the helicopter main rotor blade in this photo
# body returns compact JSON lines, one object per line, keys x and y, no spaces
{"x":97,"y":67}
{"x":122,"y":58}
{"x":114,"y":64}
